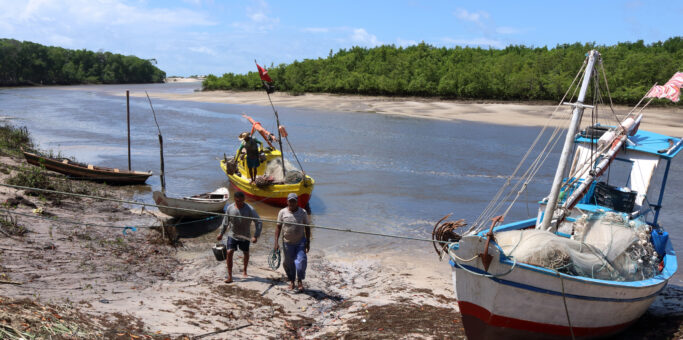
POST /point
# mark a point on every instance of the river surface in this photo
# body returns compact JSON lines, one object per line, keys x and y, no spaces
{"x":374,"y":172}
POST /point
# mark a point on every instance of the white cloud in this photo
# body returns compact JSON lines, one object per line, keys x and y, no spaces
{"x":477,"y":17}
{"x":259,"y":19}
{"x":362,"y":37}
{"x":103,"y":13}
{"x":60,"y":40}
{"x":483,"y":23}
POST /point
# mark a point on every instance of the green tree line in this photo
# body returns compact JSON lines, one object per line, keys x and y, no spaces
{"x":23,"y":63}
{"x":512,"y":73}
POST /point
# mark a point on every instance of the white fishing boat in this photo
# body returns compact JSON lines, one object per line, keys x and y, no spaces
{"x":595,"y":258}
{"x":195,"y":206}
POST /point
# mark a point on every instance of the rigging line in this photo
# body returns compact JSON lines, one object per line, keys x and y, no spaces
{"x":531,"y":171}
{"x":223,"y":214}
{"x":480,"y":220}
{"x":609,"y":94}
{"x":535,"y":171}
{"x":564,"y":301}
{"x":528,"y":175}
{"x":295,"y":157}
{"x":641,"y":100}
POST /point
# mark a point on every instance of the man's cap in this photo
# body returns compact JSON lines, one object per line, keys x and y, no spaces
{"x":292,"y":197}
{"x":243,"y":134}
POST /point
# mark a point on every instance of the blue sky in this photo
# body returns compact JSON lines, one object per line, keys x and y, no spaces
{"x":200,"y":37}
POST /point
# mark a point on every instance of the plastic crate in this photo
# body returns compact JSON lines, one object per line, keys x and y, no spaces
{"x":594,"y":132}
{"x":613,"y":198}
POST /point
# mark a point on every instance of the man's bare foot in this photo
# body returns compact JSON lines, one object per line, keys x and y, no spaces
{"x":228,"y":280}
{"x":300,"y":286}
{"x":291,"y":285}
{"x":244,"y":275}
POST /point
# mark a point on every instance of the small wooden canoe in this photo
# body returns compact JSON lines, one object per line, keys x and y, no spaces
{"x":208,"y":202}
{"x":88,"y":172}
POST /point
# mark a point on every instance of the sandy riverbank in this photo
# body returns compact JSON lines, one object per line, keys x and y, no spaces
{"x":183,"y":79}
{"x":97,"y":282}
{"x":112,"y":285}
{"x":667,"y":120}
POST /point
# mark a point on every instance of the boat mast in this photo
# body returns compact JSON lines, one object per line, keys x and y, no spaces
{"x":279,"y":138}
{"x":277,"y":120}
{"x":593,"y":55}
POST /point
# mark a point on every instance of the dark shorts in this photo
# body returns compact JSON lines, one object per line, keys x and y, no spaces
{"x":253,"y":162}
{"x":234,"y":243}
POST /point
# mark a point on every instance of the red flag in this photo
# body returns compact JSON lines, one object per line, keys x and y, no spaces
{"x":264,"y":74}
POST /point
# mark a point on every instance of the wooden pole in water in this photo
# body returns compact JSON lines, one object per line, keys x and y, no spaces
{"x":161,"y":147}
{"x":128,"y":123}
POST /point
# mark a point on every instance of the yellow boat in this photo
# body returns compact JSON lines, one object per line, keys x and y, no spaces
{"x":275,"y":193}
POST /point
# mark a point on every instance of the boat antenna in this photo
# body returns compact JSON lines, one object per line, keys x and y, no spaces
{"x":161,"y":146}
{"x":277,"y":120}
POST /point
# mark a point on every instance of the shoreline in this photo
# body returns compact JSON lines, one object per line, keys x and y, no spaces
{"x":664,"y":120}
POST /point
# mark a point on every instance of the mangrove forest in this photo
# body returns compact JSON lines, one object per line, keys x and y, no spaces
{"x":28,"y":63}
{"x":511,"y":73}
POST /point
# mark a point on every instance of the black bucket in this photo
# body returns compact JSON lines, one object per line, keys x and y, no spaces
{"x":613,"y":198}
{"x":219,"y":252}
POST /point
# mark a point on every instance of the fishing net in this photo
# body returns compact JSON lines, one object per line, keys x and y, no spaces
{"x":230,"y":165}
{"x":292,"y":175}
{"x":604,"y":246}
{"x":263,"y":181}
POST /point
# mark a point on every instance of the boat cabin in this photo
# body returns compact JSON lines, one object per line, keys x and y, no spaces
{"x":633,"y":183}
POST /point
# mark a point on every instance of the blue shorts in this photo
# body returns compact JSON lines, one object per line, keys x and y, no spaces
{"x":234,"y":243}
{"x":253,"y":162}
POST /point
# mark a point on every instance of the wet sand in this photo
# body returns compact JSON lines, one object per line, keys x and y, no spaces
{"x":665,"y":120}
{"x":113,"y":285}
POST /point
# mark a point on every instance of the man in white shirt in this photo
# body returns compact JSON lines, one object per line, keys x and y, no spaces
{"x":296,"y":241}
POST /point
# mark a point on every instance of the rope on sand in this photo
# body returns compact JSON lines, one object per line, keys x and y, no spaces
{"x":223,"y":214}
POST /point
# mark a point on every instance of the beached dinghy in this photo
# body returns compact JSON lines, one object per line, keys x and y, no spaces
{"x":87,"y":172}
{"x":594,"y":258}
{"x":196,"y":205}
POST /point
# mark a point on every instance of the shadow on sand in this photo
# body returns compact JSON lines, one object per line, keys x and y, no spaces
{"x":195,"y":228}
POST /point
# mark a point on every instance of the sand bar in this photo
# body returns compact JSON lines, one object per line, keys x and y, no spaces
{"x":665,"y":120}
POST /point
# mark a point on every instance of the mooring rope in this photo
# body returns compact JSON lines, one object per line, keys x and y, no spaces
{"x":339,"y":229}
